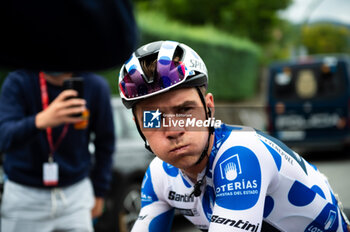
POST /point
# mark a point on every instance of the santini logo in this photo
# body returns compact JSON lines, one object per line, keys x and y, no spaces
{"x":179,"y":197}
{"x":245,"y":225}
{"x":152,"y":119}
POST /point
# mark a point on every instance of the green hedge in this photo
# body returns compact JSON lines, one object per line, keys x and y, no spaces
{"x":232,"y":63}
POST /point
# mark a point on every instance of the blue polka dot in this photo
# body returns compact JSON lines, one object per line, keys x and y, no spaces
{"x":186,"y":182}
{"x":161,"y":222}
{"x":170,"y":169}
{"x":208,"y":200}
{"x":318,"y":190}
{"x":167,"y":46}
{"x":300,"y":195}
{"x":164,"y":60}
{"x":166,"y":81}
{"x":269,"y":204}
{"x":132,"y":69}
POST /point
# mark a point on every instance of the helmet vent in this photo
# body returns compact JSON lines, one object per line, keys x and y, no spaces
{"x":149,"y":67}
{"x":178,"y":54}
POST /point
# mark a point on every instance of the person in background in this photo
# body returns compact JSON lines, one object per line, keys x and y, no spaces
{"x":220,"y":177}
{"x":53,"y":182}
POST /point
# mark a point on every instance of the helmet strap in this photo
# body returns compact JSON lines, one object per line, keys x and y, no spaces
{"x":197,"y":187}
{"x":211,"y":129}
{"x":147,"y":146}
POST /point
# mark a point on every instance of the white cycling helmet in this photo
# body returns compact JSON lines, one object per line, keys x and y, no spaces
{"x":189,"y":71}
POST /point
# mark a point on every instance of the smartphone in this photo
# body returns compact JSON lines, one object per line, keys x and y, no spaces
{"x":77,"y":84}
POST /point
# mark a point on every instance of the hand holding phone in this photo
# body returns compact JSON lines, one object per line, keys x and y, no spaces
{"x":77,"y":84}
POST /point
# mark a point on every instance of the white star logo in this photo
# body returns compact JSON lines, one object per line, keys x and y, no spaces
{"x":156,"y":115}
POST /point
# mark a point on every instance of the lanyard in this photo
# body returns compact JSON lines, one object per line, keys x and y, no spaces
{"x":45,"y":103}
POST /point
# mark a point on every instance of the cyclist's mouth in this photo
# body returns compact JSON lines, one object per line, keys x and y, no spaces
{"x":179,"y":149}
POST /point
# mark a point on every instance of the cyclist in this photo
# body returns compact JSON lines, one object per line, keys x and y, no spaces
{"x":227,"y":178}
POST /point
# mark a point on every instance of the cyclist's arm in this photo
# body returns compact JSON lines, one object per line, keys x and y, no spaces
{"x":155,"y":214}
{"x":154,"y":217}
{"x":225,"y":219}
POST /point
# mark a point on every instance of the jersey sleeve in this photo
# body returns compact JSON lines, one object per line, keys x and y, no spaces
{"x":242,"y":173}
{"x":156,"y":214}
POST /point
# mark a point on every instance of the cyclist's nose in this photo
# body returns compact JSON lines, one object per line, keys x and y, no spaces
{"x":174,"y":133}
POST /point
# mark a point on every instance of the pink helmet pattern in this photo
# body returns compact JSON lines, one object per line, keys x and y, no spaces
{"x":189,"y":71}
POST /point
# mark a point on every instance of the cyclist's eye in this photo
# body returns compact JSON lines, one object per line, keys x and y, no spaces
{"x":184,"y":110}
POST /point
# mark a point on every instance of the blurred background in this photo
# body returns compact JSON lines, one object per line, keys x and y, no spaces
{"x":238,"y":39}
{"x":248,"y":47}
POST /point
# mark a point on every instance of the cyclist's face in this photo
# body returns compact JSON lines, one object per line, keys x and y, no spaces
{"x":176,"y":143}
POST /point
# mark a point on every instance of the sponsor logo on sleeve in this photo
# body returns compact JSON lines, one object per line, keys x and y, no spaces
{"x":237,"y":179}
{"x":285,"y":152}
{"x":326,"y":221}
{"x":241,"y":224}
{"x":230,"y":168}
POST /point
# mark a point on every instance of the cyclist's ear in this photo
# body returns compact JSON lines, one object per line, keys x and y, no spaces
{"x":209,"y":100}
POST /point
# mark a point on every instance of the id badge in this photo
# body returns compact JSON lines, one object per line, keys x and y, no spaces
{"x":50,"y":174}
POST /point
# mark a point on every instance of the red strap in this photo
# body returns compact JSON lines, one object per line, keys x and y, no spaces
{"x":45,"y":103}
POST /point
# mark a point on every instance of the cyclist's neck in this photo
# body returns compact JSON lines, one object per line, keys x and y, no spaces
{"x":192,"y":172}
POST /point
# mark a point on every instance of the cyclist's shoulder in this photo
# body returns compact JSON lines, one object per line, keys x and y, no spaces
{"x":229,"y":137}
{"x":161,"y":169}
{"x":241,"y":149}
{"x":161,"y":174}
{"x":232,"y":133}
